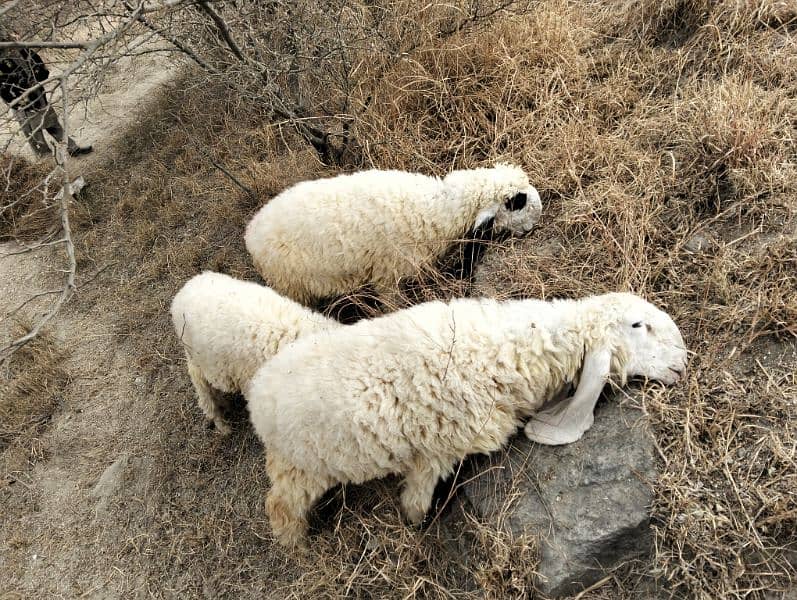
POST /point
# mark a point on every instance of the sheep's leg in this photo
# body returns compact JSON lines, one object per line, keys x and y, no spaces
{"x":416,"y":497}
{"x":207,"y":399}
{"x":566,"y":421}
{"x":292,"y":494}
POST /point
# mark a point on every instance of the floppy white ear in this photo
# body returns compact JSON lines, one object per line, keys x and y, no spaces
{"x":485,"y":215}
{"x":566,"y":421}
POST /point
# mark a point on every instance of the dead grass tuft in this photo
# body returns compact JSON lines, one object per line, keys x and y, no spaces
{"x":30,"y":392}
{"x":26,"y":190}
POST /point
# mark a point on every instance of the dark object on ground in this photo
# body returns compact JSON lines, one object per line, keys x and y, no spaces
{"x":77,"y":151}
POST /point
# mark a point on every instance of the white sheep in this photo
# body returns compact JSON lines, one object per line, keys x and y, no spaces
{"x":414,"y":392}
{"x":329,"y":237}
{"x":229,"y":328}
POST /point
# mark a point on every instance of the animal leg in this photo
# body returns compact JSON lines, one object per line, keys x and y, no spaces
{"x":292,"y":494}
{"x":207,"y":399}
{"x":416,"y":497}
{"x":566,"y":421}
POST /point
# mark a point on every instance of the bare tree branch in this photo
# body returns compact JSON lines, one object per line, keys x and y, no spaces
{"x":224,"y":30}
{"x":43,"y":44}
{"x":172,"y":40}
{"x":69,"y":283}
{"x":65,"y":196}
{"x":8,"y":6}
{"x":249,"y":191}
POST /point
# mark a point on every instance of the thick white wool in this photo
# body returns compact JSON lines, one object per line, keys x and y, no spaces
{"x":329,"y":237}
{"x":229,"y":328}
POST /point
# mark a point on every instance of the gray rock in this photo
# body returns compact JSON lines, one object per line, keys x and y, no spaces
{"x":126,"y":475}
{"x":698,"y":243}
{"x":586,"y":502}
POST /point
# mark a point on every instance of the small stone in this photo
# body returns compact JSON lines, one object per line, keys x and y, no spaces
{"x":698,"y":243}
{"x":128,"y":475}
{"x":111,"y":479}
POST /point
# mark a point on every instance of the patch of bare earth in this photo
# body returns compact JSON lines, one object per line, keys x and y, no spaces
{"x":50,"y":529}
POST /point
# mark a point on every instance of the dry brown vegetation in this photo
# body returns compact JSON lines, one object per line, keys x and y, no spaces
{"x":642,"y":126}
{"x":26,"y":212}
{"x":30,"y":393}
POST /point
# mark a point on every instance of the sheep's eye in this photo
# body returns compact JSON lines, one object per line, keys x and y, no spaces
{"x":516,"y":202}
{"x":637,"y":324}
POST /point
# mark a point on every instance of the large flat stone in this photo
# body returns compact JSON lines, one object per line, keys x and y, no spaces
{"x":587,"y":502}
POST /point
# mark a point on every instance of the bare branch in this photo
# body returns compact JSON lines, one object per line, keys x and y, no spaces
{"x":249,"y":191}
{"x":8,"y":6}
{"x":33,"y":247}
{"x":172,"y":40}
{"x":43,"y":44}
{"x":223,"y":29}
{"x":69,"y":283}
{"x":28,"y":301}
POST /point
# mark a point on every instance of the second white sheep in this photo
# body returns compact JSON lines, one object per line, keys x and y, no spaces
{"x":329,"y":237}
{"x":229,"y":328}
{"x":414,"y":392}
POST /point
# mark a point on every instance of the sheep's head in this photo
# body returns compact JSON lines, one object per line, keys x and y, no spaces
{"x":518,"y":213}
{"x":507,"y":201}
{"x":654,"y":346}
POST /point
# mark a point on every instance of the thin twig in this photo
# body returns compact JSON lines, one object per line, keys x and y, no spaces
{"x":43,"y":44}
{"x":224,"y":30}
{"x":249,"y":191}
{"x":27,"y":249}
{"x":28,"y":301}
{"x":8,"y":6}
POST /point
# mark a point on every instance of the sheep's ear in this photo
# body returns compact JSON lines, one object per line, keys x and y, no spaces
{"x":566,"y":421}
{"x":485,"y":215}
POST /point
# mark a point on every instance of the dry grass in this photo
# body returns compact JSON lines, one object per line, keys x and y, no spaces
{"x":30,"y":392}
{"x":26,"y":190}
{"x":641,"y":127}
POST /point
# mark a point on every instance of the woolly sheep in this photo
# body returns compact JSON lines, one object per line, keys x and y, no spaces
{"x":414,"y":392}
{"x":326,"y":238}
{"x":229,"y":328}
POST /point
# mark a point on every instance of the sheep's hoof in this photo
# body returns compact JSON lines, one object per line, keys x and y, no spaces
{"x":414,"y":516}
{"x":291,"y":540}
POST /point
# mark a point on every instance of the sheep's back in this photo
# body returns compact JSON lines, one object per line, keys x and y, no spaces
{"x":230,"y":327}
{"x":330,"y":236}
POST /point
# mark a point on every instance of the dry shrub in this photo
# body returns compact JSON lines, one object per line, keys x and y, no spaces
{"x":759,"y":287}
{"x":30,"y":392}
{"x":683,"y":126}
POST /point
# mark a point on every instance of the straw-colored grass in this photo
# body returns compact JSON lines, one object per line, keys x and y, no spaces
{"x":30,"y":392}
